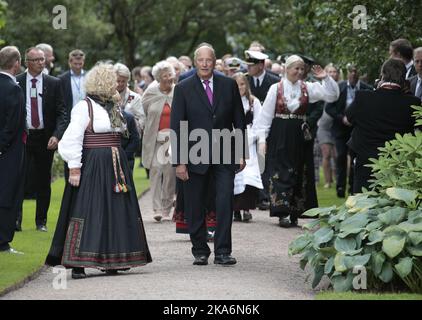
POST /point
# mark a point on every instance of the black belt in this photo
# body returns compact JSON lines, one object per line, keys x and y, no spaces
{"x":36,"y":131}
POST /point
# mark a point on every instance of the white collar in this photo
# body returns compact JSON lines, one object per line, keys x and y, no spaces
{"x":409,"y":65}
{"x":75,"y":75}
{"x":261,"y":77}
{"x":291,"y":83}
{"x":38,"y":77}
{"x":357,"y":85}
{"x":210,"y":79}
{"x":9,"y":74}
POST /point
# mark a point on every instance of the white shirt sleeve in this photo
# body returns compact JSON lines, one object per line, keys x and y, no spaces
{"x":71,"y":144}
{"x":135,"y":108}
{"x":262,"y":124}
{"x":328,"y":91}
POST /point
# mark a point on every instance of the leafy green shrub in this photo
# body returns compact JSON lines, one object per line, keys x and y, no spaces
{"x":382,"y":232}
{"x":57,"y":170}
{"x":379,"y":229}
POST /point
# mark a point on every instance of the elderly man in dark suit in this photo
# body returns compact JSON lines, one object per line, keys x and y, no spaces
{"x":416,"y":81}
{"x":46,"y":120}
{"x":206,"y":103}
{"x":12,"y":145}
{"x":342,"y":129}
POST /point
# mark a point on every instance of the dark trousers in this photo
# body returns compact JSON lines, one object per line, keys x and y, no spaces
{"x":341,"y":164}
{"x":41,"y":161}
{"x":361,"y":174}
{"x":7,"y":226}
{"x":195,"y":190}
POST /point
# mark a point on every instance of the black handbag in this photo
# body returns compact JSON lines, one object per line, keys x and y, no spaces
{"x":307,"y":135}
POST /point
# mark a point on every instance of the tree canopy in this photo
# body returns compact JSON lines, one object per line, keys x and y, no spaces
{"x":143,"y":32}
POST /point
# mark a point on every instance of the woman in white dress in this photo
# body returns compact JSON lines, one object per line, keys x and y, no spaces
{"x":248,"y":181}
{"x":283,"y":121}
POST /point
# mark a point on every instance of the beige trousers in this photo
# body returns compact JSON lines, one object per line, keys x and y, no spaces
{"x":163,"y":182}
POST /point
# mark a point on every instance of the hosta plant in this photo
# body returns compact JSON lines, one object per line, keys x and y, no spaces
{"x":379,"y":231}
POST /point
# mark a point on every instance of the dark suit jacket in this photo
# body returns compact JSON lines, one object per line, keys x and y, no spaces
{"x":53,"y":108}
{"x":261,"y":92}
{"x":413,"y":82}
{"x":376,"y":117}
{"x":131,"y":144}
{"x":190,"y":103}
{"x":412,"y":72}
{"x":66,"y":86}
{"x":337,"y":110}
{"x":12,"y":126}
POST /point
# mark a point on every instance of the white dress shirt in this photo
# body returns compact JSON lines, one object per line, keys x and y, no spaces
{"x":327,"y":91}
{"x":71,"y":144}
{"x":211,"y":83}
{"x":78,"y":86}
{"x":418,"y":85}
{"x":261,"y":79}
{"x":39,"y":85}
{"x":408,"y":68}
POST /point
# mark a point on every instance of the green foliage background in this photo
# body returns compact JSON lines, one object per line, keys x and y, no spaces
{"x":143,"y":32}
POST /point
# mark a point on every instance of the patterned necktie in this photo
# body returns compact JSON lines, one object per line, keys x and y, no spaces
{"x":35,"y":118}
{"x":208,"y":91}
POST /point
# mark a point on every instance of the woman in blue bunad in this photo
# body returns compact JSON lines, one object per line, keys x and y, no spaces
{"x":283,"y":121}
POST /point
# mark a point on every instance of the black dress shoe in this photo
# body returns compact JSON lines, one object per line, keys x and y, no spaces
{"x":294,"y":223}
{"x":78,"y":273}
{"x":264,"y":205}
{"x":18,"y":227}
{"x":237,"y":216}
{"x":247,"y":216}
{"x":42,"y":228}
{"x":200,"y":261}
{"x":284,"y":223}
{"x":341,"y":193}
{"x":224,"y":259}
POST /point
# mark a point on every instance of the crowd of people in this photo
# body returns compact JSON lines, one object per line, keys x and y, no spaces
{"x":292,"y":114}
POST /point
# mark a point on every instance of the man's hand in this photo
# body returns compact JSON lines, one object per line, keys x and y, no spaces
{"x":242,"y":164}
{"x":182,"y":172}
{"x":52,"y":143}
{"x":346,"y":122}
{"x":74,"y":177}
{"x":262,"y":148}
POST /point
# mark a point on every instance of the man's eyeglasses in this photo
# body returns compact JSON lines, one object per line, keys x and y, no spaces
{"x":36,"y":60}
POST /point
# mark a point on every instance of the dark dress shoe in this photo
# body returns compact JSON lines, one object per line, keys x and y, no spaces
{"x":42,"y":228}
{"x":78,"y":273}
{"x":264,"y":205}
{"x":247,"y":216}
{"x":237,"y":216}
{"x":18,"y":227}
{"x":11,"y":251}
{"x":224,"y":259}
{"x":294,"y":223}
{"x":341,"y":193}
{"x":284,"y":223}
{"x":200,"y":261}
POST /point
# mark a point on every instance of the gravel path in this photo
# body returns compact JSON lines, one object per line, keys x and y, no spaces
{"x":263,"y":271}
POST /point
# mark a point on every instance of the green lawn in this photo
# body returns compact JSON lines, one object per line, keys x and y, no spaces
{"x":35,"y":245}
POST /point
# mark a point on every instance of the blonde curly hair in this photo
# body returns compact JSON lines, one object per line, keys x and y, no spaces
{"x":101,"y":81}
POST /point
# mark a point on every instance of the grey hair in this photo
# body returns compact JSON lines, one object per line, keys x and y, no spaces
{"x":207,"y":45}
{"x":160,"y":68}
{"x":122,"y":70}
{"x":8,"y":57}
{"x":44,"y":47}
{"x":417,"y":50}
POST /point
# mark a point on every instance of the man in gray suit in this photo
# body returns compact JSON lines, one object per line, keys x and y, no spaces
{"x":416,"y":81}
